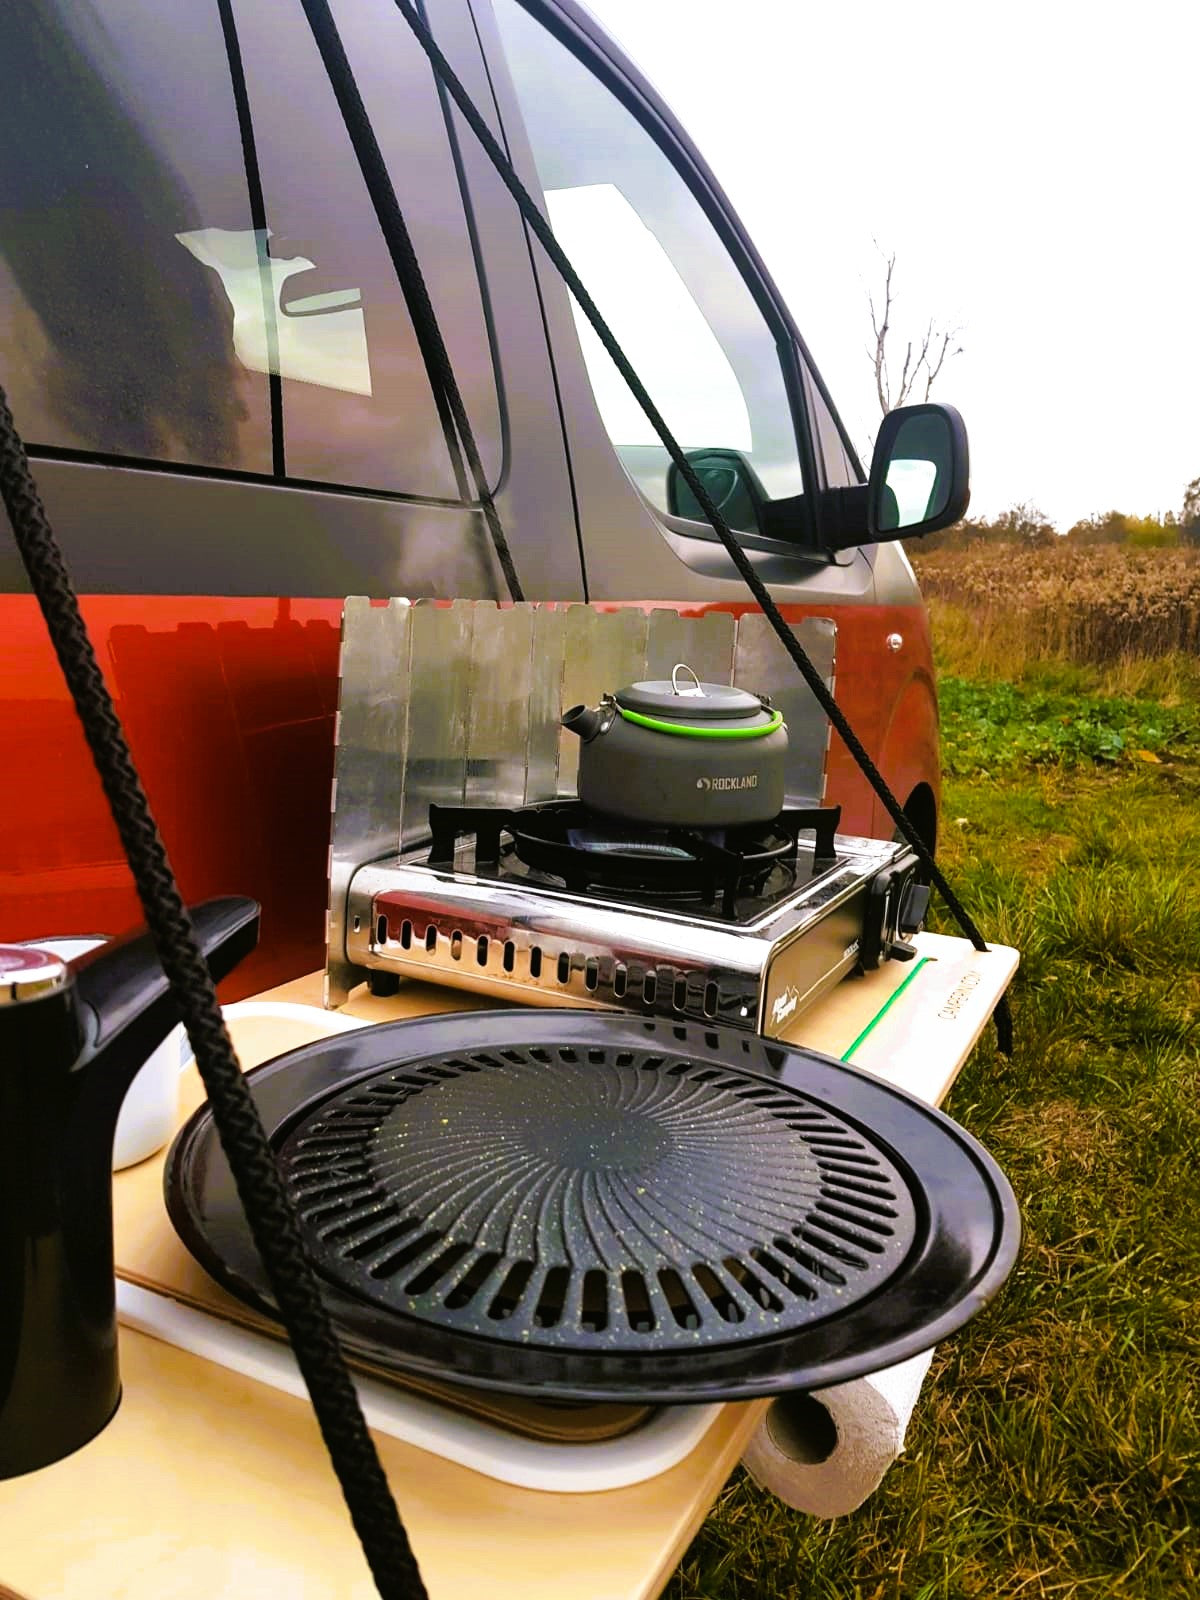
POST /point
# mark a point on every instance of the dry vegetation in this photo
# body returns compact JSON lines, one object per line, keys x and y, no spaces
{"x":1091,"y":604}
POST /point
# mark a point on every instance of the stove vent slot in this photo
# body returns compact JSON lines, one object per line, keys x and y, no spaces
{"x":650,"y":987}
{"x":679,"y":993}
{"x":406,"y":933}
{"x":620,"y":980}
{"x":564,"y":967}
{"x":456,"y":945}
{"x":535,"y":961}
{"x":510,"y":955}
{"x":431,"y":937}
{"x":381,"y":930}
{"x":481,"y":950}
{"x":591,"y":973}
{"x":712,"y":998}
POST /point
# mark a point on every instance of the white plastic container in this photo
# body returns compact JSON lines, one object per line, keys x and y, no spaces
{"x":150,"y":1109}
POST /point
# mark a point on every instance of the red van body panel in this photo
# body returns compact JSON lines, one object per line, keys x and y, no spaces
{"x":229,"y":704}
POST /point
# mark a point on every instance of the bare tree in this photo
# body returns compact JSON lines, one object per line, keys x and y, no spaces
{"x":923,"y":360}
{"x":1189,"y":517}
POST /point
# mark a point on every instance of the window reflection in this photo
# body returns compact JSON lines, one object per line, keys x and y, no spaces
{"x":320,"y":338}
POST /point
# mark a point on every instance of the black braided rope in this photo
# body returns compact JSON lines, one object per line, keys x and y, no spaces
{"x":243,"y":1138}
{"x":737,"y":554}
{"x":408,"y":269}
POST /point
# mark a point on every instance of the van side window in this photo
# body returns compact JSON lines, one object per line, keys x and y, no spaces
{"x":658,"y":271}
{"x":839,"y":469}
{"x":118,"y":132}
{"x":143,"y":306}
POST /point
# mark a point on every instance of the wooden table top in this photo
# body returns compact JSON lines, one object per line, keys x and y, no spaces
{"x":210,"y":1486}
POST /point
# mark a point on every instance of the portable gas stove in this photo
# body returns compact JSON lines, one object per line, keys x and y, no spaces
{"x":555,"y":905}
{"x":460,"y":855}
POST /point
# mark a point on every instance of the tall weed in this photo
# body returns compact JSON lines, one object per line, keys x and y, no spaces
{"x":1090,"y":605}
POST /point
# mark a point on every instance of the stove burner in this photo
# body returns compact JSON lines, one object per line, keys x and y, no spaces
{"x":587,"y":850}
{"x":606,"y":845}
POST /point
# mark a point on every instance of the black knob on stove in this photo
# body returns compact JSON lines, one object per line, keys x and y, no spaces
{"x":914,"y":908}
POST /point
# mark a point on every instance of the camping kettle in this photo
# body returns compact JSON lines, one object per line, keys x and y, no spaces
{"x":72,"y":1039}
{"x":682,"y":753}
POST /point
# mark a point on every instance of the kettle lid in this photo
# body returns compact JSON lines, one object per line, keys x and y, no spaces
{"x":688,"y":700}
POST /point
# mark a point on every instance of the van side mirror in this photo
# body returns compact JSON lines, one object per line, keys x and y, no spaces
{"x":920,"y":482}
{"x":919,"y":473}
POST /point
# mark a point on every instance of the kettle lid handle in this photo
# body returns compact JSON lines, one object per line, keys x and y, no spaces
{"x":682,"y":666}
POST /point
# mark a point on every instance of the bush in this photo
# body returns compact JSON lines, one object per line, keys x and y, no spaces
{"x":992,"y":727}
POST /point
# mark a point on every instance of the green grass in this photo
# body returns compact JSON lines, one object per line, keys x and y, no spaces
{"x":996,"y":726}
{"x":1056,"y":1449}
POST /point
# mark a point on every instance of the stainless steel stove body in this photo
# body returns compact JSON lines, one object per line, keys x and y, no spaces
{"x":502,"y":928}
{"x":451,"y":713}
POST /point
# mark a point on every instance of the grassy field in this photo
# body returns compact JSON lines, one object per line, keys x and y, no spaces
{"x":1056,"y":1449}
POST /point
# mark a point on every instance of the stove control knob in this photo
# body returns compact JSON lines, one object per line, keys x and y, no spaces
{"x":914,"y":908}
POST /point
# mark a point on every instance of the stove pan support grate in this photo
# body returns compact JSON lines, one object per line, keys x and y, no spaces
{"x":688,"y":859}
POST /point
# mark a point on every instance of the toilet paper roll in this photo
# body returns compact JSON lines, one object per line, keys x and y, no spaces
{"x":824,"y":1453}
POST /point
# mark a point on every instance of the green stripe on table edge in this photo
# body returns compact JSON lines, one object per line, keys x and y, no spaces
{"x":886,"y":1007}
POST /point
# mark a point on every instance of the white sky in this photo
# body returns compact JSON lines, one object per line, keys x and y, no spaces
{"x":1036,"y":169}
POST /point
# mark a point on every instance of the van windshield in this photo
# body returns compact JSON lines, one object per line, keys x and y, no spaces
{"x":658,"y":271}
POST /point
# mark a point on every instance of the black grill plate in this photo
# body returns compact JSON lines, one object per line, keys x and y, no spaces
{"x":595,"y":1198}
{"x":583,"y":1205}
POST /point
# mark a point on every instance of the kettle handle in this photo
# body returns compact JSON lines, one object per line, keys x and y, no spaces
{"x":125,"y":988}
{"x":682,"y":666}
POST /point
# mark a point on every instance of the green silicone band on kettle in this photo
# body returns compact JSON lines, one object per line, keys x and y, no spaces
{"x":695,"y":730}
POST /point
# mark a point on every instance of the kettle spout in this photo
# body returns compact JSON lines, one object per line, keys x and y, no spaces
{"x":584,"y":721}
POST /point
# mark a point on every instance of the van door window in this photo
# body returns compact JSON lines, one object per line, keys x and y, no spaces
{"x":357,"y":406}
{"x":840,"y":472}
{"x":134,"y":317}
{"x":118,"y":133}
{"x":657,"y":270}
